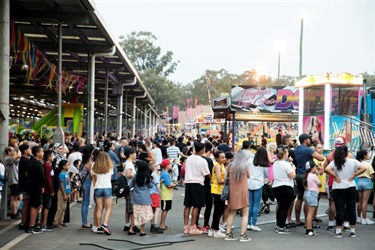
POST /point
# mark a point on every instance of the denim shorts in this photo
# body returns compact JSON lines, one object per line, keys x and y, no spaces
{"x":364,"y":184}
{"x":103,"y":192}
{"x":310,"y":198}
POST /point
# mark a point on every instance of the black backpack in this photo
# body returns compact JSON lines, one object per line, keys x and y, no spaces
{"x":122,"y":188}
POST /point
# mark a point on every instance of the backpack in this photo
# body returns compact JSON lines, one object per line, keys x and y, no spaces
{"x":122,"y":188}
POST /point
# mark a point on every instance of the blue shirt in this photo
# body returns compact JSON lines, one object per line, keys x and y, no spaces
{"x":155,"y":180}
{"x":115,"y":161}
{"x":141,"y":194}
{"x":64,"y":178}
{"x":303,"y":154}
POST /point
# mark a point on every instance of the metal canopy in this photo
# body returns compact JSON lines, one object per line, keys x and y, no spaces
{"x":84,"y":33}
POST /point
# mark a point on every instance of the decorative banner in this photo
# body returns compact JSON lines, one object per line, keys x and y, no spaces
{"x":195,"y":102}
{"x":167,"y":113}
{"x":271,"y":99}
{"x":175,"y":112}
{"x":314,"y":126}
{"x":187,"y":103}
{"x":188,"y":114}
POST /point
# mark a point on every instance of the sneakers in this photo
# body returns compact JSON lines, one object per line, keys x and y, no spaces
{"x":352,"y":234}
{"x":244,"y":238}
{"x":248,"y":227}
{"x":34,"y":230}
{"x":346,"y":229}
{"x":106,"y":229}
{"x":186,"y":229}
{"x":311,"y":233}
{"x":94,"y":229}
{"x":195,"y":231}
{"x":230,"y":237}
{"x":255,"y":228}
{"x":100,"y":230}
{"x":157,"y":230}
{"x":336,"y":235}
{"x":359,"y":220}
{"x":23,"y":227}
{"x":46,"y":228}
{"x":222,"y":227}
{"x":211,"y":233}
{"x":205,"y":229}
{"x":283,"y":231}
{"x":367,"y":221}
{"x":218,"y":234}
{"x":276,"y":229}
{"x":330,"y":228}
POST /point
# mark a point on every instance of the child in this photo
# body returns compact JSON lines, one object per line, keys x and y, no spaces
{"x":175,"y":172}
{"x":155,"y":199}
{"x":75,"y":183}
{"x":310,"y":197}
{"x":166,"y":194}
{"x":48,"y":189}
{"x":141,"y":182}
{"x":63,"y":193}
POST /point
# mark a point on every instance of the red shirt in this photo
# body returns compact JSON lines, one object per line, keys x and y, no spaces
{"x":48,"y":173}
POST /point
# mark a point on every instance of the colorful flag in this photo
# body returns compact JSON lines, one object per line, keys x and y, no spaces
{"x":187,"y":103}
{"x":175,"y":112}
{"x":195,"y":102}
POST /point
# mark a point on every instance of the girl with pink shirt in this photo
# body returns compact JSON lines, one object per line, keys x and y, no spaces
{"x":310,"y":197}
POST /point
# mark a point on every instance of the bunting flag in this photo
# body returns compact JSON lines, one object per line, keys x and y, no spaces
{"x":175,"y":112}
{"x":39,"y":70}
{"x":167,"y":113}
{"x":195,"y":102}
{"x":188,"y":114}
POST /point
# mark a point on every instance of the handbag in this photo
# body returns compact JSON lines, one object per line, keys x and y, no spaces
{"x":225,"y":193}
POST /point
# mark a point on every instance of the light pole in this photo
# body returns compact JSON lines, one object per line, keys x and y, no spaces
{"x":300,"y":50}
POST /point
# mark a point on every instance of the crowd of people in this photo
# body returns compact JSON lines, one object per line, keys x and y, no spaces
{"x":45,"y":177}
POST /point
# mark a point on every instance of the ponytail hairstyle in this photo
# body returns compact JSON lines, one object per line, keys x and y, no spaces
{"x":280,"y":152}
{"x":309,"y":166}
{"x":339,"y":156}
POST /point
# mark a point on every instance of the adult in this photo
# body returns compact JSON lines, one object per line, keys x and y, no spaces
{"x":223,"y":146}
{"x":364,"y":186}
{"x":157,"y":152}
{"x":74,"y":155}
{"x":120,"y":150}
{"x":85,"y":177}
{"x":218,"y":176}
{"x":246,"y":149}
{"x":208,"y":200}
{"x":173,"y":152}
{"x":279,"y":137}
{"x":303,"y":154}
{"x":339,"y":141}
{"x":23,"y":166}
{"x":344,"y":169}
{"x":109,"y":147}
{"x":102,"y":171}
{"x":35,"y":187}
{"x":258,"y":171}
{"x":196,"y":172}
{"x":11,"y":172}
{"x":180,"y":144}
{"x":238,"y":194}
{"x":284,"y":173}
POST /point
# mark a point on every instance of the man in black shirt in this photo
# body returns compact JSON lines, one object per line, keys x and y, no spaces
{"x":22,"y":181}
{"x":224,"y":146}
{"x":35,"y":187}
{"x":180,"y":144}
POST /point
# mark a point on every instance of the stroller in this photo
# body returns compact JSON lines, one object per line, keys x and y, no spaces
{"x":267,"y":193}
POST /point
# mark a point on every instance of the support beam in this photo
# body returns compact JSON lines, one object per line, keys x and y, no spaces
{"x":4,"y":89}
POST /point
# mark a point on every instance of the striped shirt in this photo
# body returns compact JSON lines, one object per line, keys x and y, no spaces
{"x":173,"y":152}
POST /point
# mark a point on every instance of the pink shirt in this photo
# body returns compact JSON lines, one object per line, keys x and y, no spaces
{"x":313,"y":182}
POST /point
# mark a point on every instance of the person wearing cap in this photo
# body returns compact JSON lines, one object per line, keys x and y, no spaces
{"x":339,"y":141}
{"x":344,"y":169}
{"x":303,"y":154}
{"x":166,"y":191}
{"x":310,"y":197}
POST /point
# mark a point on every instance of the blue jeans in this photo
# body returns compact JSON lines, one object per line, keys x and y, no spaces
{"x":85,"y":200}
{"x":254,"y":199}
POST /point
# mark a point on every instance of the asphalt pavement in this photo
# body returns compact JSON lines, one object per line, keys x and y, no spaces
{"x":73,"y":237}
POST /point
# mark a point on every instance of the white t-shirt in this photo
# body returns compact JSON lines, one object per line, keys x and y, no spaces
{"x":196,"y":168}
{"x":257,"y":174}
{"x":158,"y":155}
{"x":281,"y":169}
{"x":102,"y":180}
{"x":348,"y":169}
{"x":129,"y":165}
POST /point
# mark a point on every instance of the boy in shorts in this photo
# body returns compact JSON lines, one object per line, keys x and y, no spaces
{"x":166,"y":194}
{"x":155,"y":199}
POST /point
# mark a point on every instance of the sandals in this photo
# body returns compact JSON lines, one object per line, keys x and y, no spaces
{"x":300,"y":224}
{"x":86,"y":226}
{"x":317,"y":220}
{"x":165,"y":228}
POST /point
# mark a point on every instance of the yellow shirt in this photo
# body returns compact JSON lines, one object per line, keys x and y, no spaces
{"x":217,"y":188}
{"x":321,"y":175}
{"x":369,"y":170}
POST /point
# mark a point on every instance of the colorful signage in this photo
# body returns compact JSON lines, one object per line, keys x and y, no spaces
{"x":271,"y":99}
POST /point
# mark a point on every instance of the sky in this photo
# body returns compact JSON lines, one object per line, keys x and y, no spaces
{"x":241,"y":35}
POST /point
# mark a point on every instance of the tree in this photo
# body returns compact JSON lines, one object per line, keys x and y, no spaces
{"x":144,"y":54}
